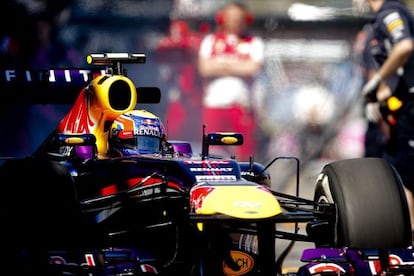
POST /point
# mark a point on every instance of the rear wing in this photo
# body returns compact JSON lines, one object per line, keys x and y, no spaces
{"x":62,"y":86}
{"x":57,"y":86}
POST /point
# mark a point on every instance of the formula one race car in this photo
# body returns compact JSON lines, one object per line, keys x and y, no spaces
{"x":70,"y":209}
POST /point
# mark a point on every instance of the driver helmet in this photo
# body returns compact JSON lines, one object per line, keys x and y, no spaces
{"x":136,"y":132}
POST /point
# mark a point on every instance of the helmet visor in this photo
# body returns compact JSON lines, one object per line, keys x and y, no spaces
{"x":143,"y":144}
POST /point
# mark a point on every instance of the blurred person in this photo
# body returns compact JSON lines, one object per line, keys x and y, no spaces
{"x":376,"y":133}
{"x":229,"y":60}
{"x":393,"y":47}
{"x":176,"y":55}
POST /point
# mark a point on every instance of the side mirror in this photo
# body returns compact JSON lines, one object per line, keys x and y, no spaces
{"x":220,"y":139}
{"x":83,"y":145}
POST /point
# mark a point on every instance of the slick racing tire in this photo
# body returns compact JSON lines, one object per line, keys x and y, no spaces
{"x":370,"y":204}
{"x":38,"y":212}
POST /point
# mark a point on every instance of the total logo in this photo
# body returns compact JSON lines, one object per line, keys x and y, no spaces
{"x":247,"y":204}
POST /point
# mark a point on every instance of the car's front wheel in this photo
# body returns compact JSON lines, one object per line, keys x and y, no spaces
{"x":370,"y":204}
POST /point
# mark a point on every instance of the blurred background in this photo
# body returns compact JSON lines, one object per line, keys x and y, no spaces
{"x":306,"y":95}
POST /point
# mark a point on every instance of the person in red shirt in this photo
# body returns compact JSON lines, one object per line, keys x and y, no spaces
{"x":229,"y":59}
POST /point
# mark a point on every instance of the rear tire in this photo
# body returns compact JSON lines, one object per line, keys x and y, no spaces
{"x":371,"y":207}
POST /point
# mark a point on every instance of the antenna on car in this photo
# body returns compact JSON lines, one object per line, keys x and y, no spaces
{"x":115,"y":60}
{"x":204,"y":150}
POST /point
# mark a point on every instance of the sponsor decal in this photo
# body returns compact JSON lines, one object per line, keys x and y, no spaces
{"x":211,"y":169}
{"x":248,"y":173}
{"x":198,"y":195}
{"x":200,"y":178}
{"x":247,"y":204}
{"x":125,"y":134}
{"x":77,"y":120}
{"x":244,"y":260}
{"x":394,"y":24}
{"x":53,"y":76}
{"x":199,"y":162}
{"x":148,"y":131}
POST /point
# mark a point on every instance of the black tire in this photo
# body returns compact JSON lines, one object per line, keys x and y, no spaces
{"x":39,"y":212}
{"x":371,"y":208}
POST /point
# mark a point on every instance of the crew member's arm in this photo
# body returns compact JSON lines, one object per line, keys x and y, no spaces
{"x":211,"y":66}
{"x":400,"y":53}
{"x":396,"y":59}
